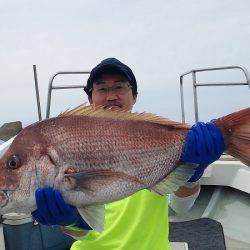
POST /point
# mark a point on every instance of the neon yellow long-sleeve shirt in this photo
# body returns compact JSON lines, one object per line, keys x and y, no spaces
{"x":139,"y":222}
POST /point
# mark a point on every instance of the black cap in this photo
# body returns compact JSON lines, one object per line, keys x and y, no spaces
{"x":111,"y":65}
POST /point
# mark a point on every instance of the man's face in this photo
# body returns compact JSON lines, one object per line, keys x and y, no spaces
{"x":112,"y":91}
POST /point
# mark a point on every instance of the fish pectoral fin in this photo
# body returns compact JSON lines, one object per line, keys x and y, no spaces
{"x":175,"y":179}
{"x":86,"y":174}
{"x":103,"y":173}
{"x":94,"y":215}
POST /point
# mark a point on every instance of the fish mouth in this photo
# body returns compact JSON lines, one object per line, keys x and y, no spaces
{"x":4,"y":198}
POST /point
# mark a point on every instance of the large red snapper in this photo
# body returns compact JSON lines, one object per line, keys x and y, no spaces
{"x":94,"y":157}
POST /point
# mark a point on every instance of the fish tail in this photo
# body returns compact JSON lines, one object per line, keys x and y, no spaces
{"x":235,"y":128}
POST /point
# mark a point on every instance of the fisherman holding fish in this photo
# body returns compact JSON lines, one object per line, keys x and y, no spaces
{"x":141,"y":220}
{"x":103,"y":172}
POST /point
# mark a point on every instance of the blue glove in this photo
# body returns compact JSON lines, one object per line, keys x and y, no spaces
{"x":52,"y":210}
{"x":204,"y":145}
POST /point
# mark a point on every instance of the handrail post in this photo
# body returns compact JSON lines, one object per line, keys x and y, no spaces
{"x":195,"y":97}
{"x":37,"y":94}
{"x":182,"y":100}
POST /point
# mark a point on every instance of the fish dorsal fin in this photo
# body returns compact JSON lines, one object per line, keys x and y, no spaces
{"x":89,"y":110}
{"x":94,"y":215}
{"x":175,"y":179}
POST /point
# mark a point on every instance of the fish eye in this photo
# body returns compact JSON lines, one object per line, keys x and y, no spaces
{"x":13,"y":162}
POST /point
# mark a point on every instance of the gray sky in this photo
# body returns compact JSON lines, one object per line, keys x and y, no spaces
{"x":158,"y":39}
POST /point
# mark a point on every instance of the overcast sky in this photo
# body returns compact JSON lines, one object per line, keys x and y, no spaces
{"x":158,"y":39}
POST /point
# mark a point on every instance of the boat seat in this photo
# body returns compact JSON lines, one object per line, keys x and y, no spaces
{"x":199,"y":234}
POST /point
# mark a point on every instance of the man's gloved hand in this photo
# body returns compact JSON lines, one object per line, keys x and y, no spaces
{"x":204,"y":145}
{"x":52,"y":210}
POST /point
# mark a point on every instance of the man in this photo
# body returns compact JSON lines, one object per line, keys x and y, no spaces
{"x":141,"y":220}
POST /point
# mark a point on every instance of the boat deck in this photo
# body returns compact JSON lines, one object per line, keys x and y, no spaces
{"x":231,"y":209}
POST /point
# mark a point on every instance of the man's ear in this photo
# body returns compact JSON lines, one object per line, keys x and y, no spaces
{"x":90,"y":100}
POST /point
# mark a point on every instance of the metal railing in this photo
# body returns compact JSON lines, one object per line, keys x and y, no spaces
{"x":51,"y":87}
{"x":196,"y":84}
